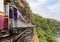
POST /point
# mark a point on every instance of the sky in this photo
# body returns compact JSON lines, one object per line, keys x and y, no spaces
{"x":46,"y":8}
{"x":1,"y":6}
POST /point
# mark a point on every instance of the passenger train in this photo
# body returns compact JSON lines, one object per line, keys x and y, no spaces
{"x":11,"y":20}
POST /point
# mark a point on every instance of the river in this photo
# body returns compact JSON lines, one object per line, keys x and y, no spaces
{"x":58,"y":39}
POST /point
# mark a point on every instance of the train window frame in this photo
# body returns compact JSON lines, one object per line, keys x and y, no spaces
{"x":11,"y":14}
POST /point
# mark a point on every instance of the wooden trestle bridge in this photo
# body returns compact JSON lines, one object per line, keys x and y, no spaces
{"x":25,"y":36}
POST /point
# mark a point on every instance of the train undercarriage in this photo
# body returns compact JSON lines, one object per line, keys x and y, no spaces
{"x":6,"y":33}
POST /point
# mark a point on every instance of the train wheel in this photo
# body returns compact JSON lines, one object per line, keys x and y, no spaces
{"x":16,"y":31}
{"x":5,"y":33}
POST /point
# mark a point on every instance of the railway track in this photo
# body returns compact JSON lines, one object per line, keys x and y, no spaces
{"x":22,"y":37}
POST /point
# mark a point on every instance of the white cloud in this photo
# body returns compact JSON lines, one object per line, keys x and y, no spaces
{"x":51,"y":10}
{"x":36,"y":7}
{"x":54,"y":8}
{"x":42,"y":1}
{"x":1,"y":6}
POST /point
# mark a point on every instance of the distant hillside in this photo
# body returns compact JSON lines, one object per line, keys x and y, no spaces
{"x":45,"y":28}
{"x":54,"y":25}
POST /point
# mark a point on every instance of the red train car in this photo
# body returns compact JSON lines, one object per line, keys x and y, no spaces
{"x":11,"y":19}
{"x":1,"y":21}
{"x":4,"y":28}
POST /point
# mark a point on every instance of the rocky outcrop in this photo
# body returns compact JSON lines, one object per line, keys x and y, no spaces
{"x":24,"y":9}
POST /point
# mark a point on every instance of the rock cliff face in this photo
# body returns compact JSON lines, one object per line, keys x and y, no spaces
{"x":24,"y":8}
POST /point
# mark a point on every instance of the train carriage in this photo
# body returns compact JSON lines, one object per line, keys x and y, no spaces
{"x":11,"y":19}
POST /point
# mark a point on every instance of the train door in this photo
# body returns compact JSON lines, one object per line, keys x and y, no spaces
{"x":13,"y":17}
{"x":6,"y":17}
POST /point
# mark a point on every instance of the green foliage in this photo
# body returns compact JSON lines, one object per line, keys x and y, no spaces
{"x":42,"y":39}
{"x":44,"y":28}
{"x":54,"y":25}
{"x":40,"y":31}
{"x":51,"y":39}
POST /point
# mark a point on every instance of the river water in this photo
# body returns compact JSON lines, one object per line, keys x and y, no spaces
{"x":58,"y":39}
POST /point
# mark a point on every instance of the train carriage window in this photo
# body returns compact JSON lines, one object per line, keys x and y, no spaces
{"x":21,"y":18}
{"x":11,"y":12}
{"x":15,"y":14}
